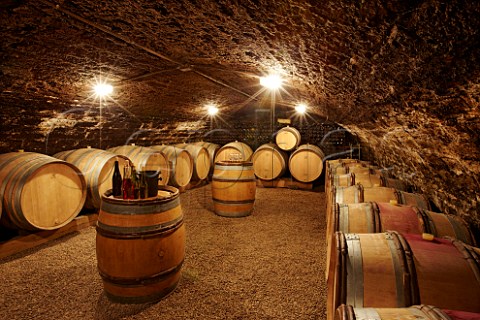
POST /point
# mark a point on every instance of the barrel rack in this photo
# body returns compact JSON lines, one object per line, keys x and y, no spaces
{"x":26,"y":241}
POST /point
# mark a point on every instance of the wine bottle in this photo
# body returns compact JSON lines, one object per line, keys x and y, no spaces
{"x":127,"y":185}
{"x":135,"y":183}
{"x":143,"y":185}
{"x":117,"y":182}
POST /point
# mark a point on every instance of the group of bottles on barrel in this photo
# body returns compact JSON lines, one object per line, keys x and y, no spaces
{"x":133,"y":185}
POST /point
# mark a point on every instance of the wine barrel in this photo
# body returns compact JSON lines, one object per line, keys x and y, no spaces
{"x":418,"y":312}
{"x":331,"y":166}
{"x":441,"y":225}
{"x":357,"y":194}
{"x":201,"y":160}
{"x":39,"y":192}
{"x":306,"y":163}
{"x":212,"y":149}
{"x":385,"y":270}
{"x":140,"y":246}
{"x":367,"y":180}
{"x":234,"y":151}
{"x":375,"y":217}
{"x":287,"y":138}
{"x":233,"y":188}
{"x":413,"y":199}
{"x":269,"y":162}
{"x":145,"y":159}
{"x":180,"y":163}
{"x":97,"y":167}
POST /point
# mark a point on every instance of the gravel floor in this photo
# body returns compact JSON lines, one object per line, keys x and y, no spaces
{"x":269,"y":265}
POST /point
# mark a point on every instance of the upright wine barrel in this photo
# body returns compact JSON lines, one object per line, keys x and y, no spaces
{"x":146,"y":159}
{"x":140,"y":246}
{"x":234,"y":151}
{"x":97,"y":167}
{"x":288,"y":138}
{"x":212,"y":151}
{"x":376,"y":217}
{"x":418,"y":312}
{"x":39,"y":192}
{"x":306,"y":163}
{"x":180,"y":163}
{"x":269,"y":162}
{"x":233,"y":188}
{"x":201,"y":160}
{"x":388,"y":270}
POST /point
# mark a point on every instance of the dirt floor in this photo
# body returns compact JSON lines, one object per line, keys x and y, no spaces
{"x":269,"y":265}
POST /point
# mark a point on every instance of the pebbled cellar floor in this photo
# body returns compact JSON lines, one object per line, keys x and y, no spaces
{"x":269,"y":265}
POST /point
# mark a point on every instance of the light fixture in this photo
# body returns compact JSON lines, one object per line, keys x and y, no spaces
{"x":212,"y":110}
{"x":103,"y":89}
{"x":301,"y":108}
{"x":272,"y":82}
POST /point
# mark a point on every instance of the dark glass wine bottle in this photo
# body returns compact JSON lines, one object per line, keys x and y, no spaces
{"x":127,"y":185}
{"x":143,"y":185}
{"x":117,"y":182}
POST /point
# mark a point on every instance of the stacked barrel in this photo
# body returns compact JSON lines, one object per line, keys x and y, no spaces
{"x":233,"y":181}
{"x":390,"y":254}
{"x":39,"y":192}
{"x":272,"y":160}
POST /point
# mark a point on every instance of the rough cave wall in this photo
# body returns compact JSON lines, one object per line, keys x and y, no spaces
{"x":415,"y":99}
{"x":39,"y":126}
{"x":438,"y":155}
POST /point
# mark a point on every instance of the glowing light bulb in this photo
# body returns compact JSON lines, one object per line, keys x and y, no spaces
{"x":103,"y":89}
{"x":271,"y":82}
{"x":301,"y":108}
{"x":212,"y":110}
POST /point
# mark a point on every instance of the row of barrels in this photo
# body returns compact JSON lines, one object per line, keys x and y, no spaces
{"x":387,"y":251}
{"x":305,"y":163}
{"x":41,"y":192}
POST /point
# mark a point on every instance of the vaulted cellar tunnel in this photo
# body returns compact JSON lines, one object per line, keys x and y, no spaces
{"x":393,"y":82}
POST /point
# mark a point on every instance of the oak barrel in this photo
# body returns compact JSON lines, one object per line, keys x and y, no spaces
{"x":201,"y":160}
{"x":233,"y":188}
{"x":180,"y":164}
{"x":417,"y":312}
{"x":140,"y":246}
{"x":358,"y":194}
{"x":234,"y":151}
{"x":306,"y":163}
{"x":269,"y":162}
{"x":375,"y":217}
{"x":212,"y":151}
{"x":146,"y":159}
{"x":287,"y":138}
{"x":332,"y":166}
{"x":97,"y":167}
{"x":39,"y":192}
{"x":385,"y":270}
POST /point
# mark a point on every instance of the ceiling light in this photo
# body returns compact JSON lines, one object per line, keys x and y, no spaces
{"x":212,"y":110}
{"x":103,"y":89}
{"x":271,"y":82}
{"x":301,"y":108}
